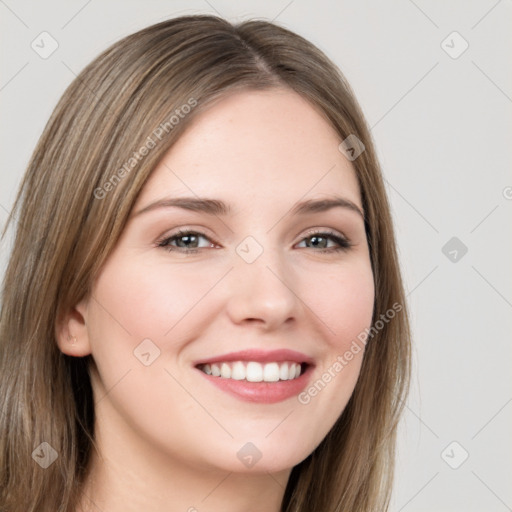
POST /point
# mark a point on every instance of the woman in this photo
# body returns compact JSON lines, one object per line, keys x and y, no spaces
{"x":203,"y":309}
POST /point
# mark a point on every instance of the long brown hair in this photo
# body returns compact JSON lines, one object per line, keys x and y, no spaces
{"x":69,"y":219}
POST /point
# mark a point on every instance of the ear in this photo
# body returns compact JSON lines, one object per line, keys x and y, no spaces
{"x":71,"y":331}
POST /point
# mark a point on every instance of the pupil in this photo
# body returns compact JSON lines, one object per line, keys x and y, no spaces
{"x":186,"y":238}
{"x":315,"y":244}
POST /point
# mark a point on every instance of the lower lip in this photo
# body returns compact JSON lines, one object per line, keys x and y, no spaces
{"x":261,"y":392}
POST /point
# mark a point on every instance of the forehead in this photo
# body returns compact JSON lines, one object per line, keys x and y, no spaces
{"x":253,"y":147}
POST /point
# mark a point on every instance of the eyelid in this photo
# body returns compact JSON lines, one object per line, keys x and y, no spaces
{"x":315,"y":231}
{"x":203,"y":231}
{"x":200,"y":230}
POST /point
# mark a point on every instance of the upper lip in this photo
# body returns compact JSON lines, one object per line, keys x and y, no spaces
{"x":260,"y":356}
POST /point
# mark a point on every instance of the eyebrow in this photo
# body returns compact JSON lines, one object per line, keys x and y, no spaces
{"x":220,"y":208}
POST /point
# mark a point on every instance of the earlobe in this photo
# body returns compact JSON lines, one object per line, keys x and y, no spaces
{"x":72,"y":334}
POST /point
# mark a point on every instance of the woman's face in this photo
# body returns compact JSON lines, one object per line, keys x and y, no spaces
{"x":252,"y":292}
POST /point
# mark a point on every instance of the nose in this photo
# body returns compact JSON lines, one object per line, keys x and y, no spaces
{"x":262,"y":292}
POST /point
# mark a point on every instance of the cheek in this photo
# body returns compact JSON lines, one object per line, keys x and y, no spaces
{"x":144,"y":302}
{"x":344,"y":302}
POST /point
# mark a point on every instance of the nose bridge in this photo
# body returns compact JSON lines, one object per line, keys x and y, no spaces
{"x":260,"y":284}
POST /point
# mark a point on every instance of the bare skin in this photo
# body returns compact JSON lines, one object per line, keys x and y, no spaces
{"x":168,"y":439}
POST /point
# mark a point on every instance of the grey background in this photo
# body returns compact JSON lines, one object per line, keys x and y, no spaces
{"x":440,"y":125}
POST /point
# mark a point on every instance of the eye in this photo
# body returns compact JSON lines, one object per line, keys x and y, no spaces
{"x":320,"y":239}
{"x":187,"y":242}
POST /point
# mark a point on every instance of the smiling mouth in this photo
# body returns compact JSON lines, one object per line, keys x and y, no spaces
{"x":253,"y":371}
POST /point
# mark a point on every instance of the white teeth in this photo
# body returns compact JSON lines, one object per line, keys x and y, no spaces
{"x":225,"y":371}
{"x":271,"y":372}
{"x":238,"y":372}
{"x":283,"y":372}
{"x":253,"y":371}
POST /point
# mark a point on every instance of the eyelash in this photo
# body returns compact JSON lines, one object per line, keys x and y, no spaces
{"x":343,"y":243}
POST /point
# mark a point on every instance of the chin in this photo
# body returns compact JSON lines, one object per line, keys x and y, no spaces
{"x":263,"y":456}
